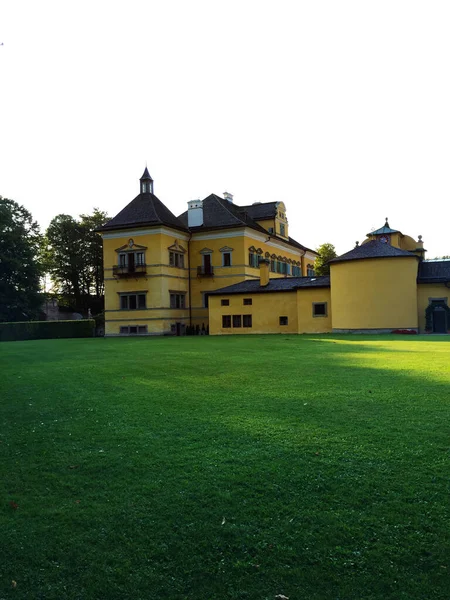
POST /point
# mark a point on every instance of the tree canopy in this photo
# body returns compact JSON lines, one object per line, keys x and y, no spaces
{"x":74,"y":258}
{"x":326,"y":253}
{"x":20,"y":268}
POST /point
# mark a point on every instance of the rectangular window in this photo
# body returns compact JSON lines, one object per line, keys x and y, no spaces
{"x":248,"y":301}
{"x":226,"y":259}
{"x":296,"y":271}
{"x":176,"y":259}
{"x":122,"y":260}
{"x":132,"y":301}
{"x":139,"y":258}
{"x":282,"y":229}
{"x":247,"y":320}
{"x":226,"y":321}
{"x":133,"y":329}
{"x":237,"y":320}
{"x":225,"y":302}
{"x":319,"y":309}
{"x":177,"y":300}
{"x":270,"y":230}
{"x":273,"y":266}
{"x":283,"y":320}
{"x":253,"y":260}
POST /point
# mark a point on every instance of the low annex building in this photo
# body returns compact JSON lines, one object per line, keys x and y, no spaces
{"x":159,"y":269}
{"x":380,"y":286}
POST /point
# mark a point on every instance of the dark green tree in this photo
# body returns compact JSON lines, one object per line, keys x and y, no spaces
{"x":326,"y":253}
{"x":20,"y":268}
{"x":74,"y":259}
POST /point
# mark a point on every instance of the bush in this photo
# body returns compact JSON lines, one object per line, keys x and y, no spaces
{"x":38,"y":330}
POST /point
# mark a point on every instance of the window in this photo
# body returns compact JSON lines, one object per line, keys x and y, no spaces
{"x":226,"y":321}
{"x":176,"y":259}
{"x":177,"y":300}
{"x":237,"y":320}
{"x":253,"y":260}
{"x":296,"y":271}
{"x":319,"y":309}
{"x":248,"y":301}
{"x":133,"y":329}
{"x":131,"y":260}
{"x":132,"y":301}
{"x":226,"y":259}
{"x":273,"y":266}
{"x":270,"y":230}
{"x":282,"y":229}
{"x":310,"y":271}
{"x":225,"y":302}
{"x":283,"y":320}
{"x":247,"y":320}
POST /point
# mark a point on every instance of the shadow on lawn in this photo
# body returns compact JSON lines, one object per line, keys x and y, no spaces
{"x":318,"y":476}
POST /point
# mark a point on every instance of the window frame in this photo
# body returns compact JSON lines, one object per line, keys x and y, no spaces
{"x":137,"y":302}
{"x":237,"y":321}
{"x":285,"y":321}
{"x":247,"y":301}
{"x":179,"y":300}
{"x":245,"y":321}
{"x":226,"y":321}
{"x":225,"y":302}
{"x":318,"y":316}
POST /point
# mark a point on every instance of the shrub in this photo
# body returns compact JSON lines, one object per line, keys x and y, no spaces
{"x":38,"y":330}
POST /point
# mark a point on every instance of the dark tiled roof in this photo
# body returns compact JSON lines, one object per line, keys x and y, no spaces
{"x":261,"y":210}
{"x":373,"y":249}
{"x":219,"y":213}
{"x":434,"y":271}
{"x":145,"y":209}
{"x":282,"y":284}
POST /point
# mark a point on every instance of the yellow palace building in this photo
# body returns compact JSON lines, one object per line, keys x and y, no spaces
{"x":235,"y":270}
{"x":381,"y":286}
{"x":159,"y":269}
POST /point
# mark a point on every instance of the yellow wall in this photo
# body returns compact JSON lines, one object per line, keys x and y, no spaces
{"x":425,"y":292}
{"x":266,"y":310}
{"x":225,"y":276}
{"x":374,"y":294}
{"x":159,"y":280}
{"x":307,"y":323}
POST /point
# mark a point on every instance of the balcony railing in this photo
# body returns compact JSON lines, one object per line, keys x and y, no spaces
{"x":129,"y":271}
{"x":205,"y":271}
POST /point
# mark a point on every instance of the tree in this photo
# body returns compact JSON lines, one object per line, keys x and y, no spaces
{"x":326,"y":253}
{"x":74,"y":258}
{"x":20,"y":268}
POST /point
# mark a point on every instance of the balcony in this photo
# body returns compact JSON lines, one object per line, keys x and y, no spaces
{"x":205,"y":271}
{"x":129,"y":270}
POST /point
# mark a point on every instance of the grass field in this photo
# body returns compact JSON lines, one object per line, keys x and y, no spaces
{"x":316,"y":467}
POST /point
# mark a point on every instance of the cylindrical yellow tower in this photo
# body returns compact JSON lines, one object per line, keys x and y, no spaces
{"x":374,"y":289}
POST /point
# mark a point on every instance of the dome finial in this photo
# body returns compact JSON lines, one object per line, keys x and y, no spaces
{"x":387,"y":223}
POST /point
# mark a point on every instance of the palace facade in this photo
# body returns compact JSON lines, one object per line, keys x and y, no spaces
{"x":160,"y":269}
{"x":235,"y":270}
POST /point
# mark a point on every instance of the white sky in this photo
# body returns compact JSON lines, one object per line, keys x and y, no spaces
{"x":340,"y":109}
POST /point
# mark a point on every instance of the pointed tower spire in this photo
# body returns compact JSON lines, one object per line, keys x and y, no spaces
{"x":146,"y":183}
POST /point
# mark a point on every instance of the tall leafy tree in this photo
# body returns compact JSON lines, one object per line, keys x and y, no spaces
{"x":74,"y":258}
{"x":326,"y":253}
{"x":20,"y":268}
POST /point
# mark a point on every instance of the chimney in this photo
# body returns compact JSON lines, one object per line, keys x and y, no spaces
{"x":264,"y":271}
{"x":195,"y":213}
{"x":228,"y":197}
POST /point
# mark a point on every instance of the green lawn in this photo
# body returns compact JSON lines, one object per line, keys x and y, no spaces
{"x":315,"y":467}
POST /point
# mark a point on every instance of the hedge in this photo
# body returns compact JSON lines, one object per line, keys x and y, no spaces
{"x":39,"y":330}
